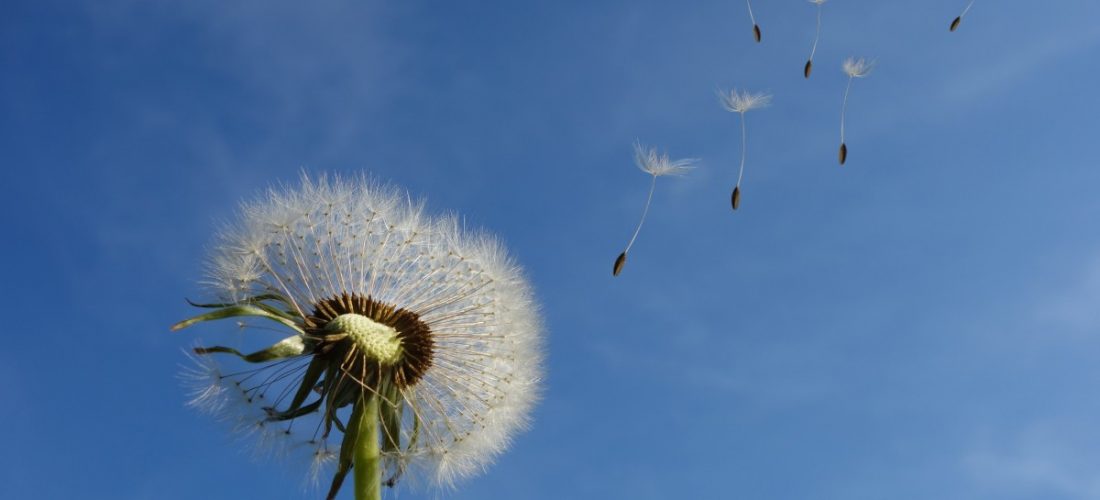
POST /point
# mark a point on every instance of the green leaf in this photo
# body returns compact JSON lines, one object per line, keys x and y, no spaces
{"x":309,"y":381}
{"x":237,"y":311}
{"x":288,"y":347}
{"x":347,"y":451}
{"x":275,"y":416}
{"x":247,"y":300}
{"x":259,"y":301}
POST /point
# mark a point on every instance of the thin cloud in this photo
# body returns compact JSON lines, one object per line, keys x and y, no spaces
{"x":1041,"y":460}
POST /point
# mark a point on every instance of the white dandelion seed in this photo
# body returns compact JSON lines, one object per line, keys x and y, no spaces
{"x":213,"y":392}
{"x":817,"y":36}
{"x":656,"y":165}
{"x":752,"y":18}
{"x":414,"y":346}
{"x":741,"y":103}
{"x":957,"y":20}
{"x":855,"y":68}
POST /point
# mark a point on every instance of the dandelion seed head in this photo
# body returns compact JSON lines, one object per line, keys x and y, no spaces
{"x":214,"y":393}
{"x":858,"y":68}
{"x":657,"y":164}
{"x":742,"y":101}
{"x":435,"y":320}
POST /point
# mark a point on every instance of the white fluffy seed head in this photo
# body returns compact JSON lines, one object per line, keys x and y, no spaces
{"x":334,"y":236}
{"x":742,"y":101}
{"x":657,"y":164}
{"x":858,"y":68}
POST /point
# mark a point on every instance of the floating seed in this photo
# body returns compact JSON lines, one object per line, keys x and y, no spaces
{"x":756,"y":32}
{"x":619,"y":263}
{"x":958,"y":20}
{"x":817,"y":37}
{"x":741,"y":103}
{"x":855,"y":68}
{"x":656,"y":165}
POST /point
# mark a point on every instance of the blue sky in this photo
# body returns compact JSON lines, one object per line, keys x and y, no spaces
{"x":920,"y":323}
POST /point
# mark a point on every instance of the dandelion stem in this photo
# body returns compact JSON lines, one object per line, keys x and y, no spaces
{"x":744,"y":142}
{"x":645,"y":211}
{"x":967,"y":9}
{"x":844,"y":108}
{"x":368,"y":478}
{"x":817,"y":36}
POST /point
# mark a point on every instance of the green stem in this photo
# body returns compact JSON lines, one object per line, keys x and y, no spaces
{"x":368,"y":477}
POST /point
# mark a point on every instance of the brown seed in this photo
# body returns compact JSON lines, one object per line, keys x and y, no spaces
{"x":809,"y":67}
{"x":735,"y":198}
{"x":756,"y":32}
{"x":843,"y":152}
{"x":955,"y":23}
{"x":619,"y":263}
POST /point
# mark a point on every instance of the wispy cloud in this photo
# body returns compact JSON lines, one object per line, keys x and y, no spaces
{"x":1075,"y":308}
{"x":1008,"y":67}
{"x":322,"y":74}
{"x":1042,"y":460}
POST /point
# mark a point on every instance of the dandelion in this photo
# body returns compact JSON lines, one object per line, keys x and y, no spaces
{"x":656,"y":165}
{"x":957,"y":20}
{"x":817,"y":36}
{"x":413,"y":349}
{"x":742,"y":102}
{"x":855,"y":68}
{"x":755,"y":27}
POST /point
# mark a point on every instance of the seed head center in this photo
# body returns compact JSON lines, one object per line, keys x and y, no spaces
{"x":376,"y":340}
